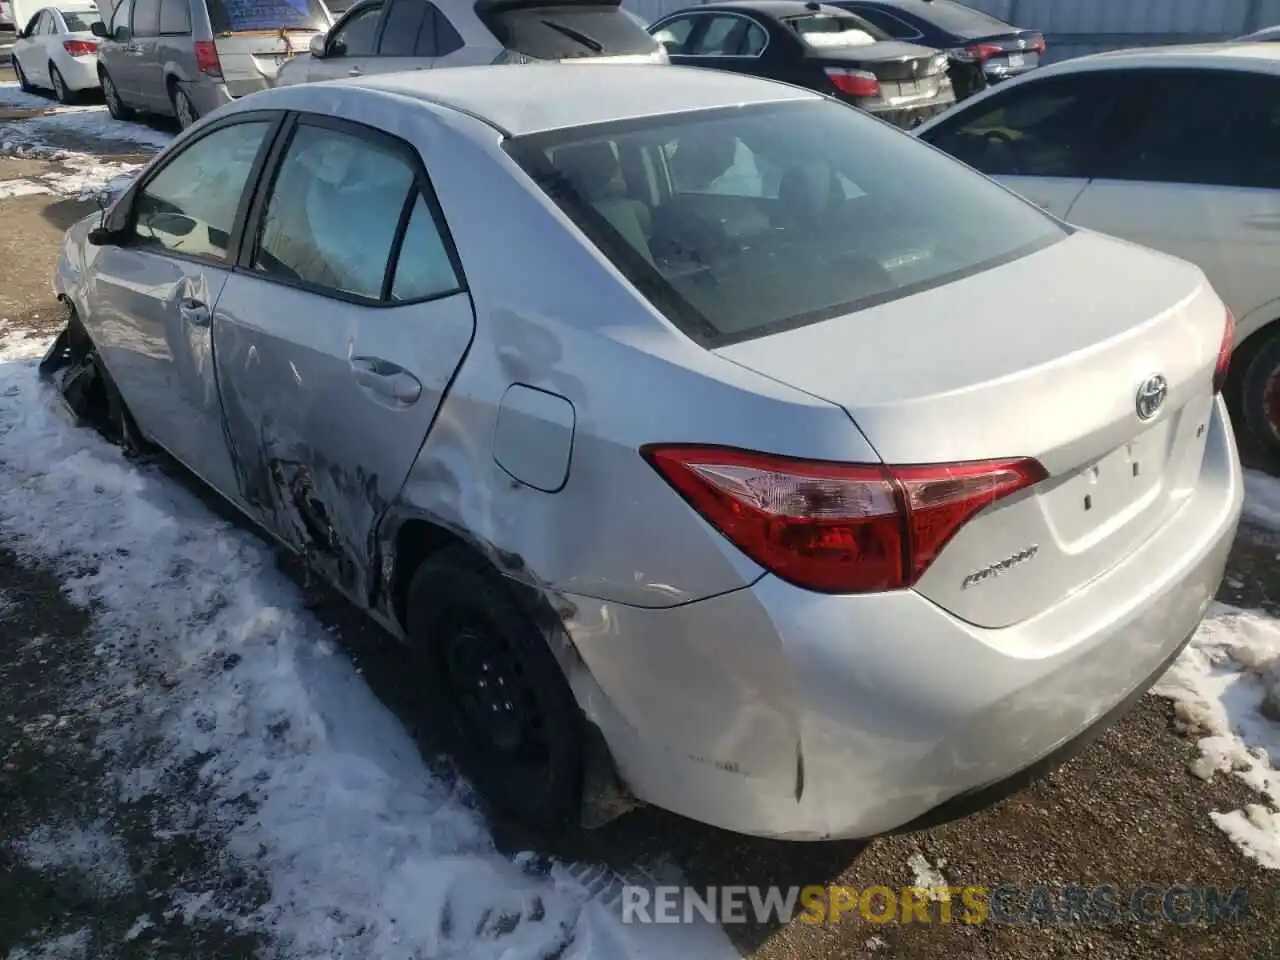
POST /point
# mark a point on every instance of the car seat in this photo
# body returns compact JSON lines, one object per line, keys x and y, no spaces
{"x":594,"y":171}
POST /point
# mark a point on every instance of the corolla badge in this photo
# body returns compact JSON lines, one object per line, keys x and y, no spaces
{"x":1151,"y":396}
{"x":1002,"y":566}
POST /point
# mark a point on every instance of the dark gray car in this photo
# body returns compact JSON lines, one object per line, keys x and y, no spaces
{"x":186,"y":58}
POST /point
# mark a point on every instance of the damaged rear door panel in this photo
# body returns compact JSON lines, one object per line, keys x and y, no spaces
{"x":336,"y":340}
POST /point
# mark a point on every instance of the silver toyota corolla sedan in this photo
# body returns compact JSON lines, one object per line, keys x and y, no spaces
{"x":711,"y":444}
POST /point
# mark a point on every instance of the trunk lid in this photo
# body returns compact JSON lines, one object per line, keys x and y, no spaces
{"x":1042,"y":357}
{"x":1016,"y":50}
{"x":890,"y":61}
{"x":251,"y":59}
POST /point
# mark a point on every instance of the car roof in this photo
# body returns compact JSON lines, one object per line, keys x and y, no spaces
{"x":521,"y":99}
{"x":1262,"y":57}
{"x":769,"y":8}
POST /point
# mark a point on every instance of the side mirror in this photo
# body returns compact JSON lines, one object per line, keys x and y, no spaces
{"x":122,"y":35}
{"x":102,"y":237}
{"x":98,"y":29}
{"x":670,"y":46}
{"x":317,"y":46}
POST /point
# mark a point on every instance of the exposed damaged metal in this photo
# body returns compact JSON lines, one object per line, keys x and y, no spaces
{"x":72,"y":366}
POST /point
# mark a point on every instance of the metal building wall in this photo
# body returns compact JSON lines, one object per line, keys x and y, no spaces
{"x":1076,"y":27}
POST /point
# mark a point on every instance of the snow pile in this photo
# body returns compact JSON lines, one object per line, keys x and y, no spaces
{"x":92,"y":852}
{"x":1226,"y":690}
{"x":305,"y":776}
{"x":927,"y":876}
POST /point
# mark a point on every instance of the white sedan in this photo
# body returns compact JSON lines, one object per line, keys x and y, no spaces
{"x":56,"y":51}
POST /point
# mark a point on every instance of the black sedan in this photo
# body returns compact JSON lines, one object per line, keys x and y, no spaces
{"x":982,"y":48}
{"x":816,"y":46}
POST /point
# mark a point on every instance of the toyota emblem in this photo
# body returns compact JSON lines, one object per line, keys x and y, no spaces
{"x":1151,"y":396}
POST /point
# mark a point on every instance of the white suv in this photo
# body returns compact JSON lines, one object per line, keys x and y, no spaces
{"x":383,"y":36}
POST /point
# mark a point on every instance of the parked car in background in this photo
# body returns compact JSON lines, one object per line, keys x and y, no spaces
{"x":802,"y":512}
{"x":1176,"y":148}
{"x":982,"y":49}
{"x":186,"y":58}
{"x":57,"y":51}
{"x":812,"y":45}
{"x":383,"y":36}
{"x":1265,"y":35}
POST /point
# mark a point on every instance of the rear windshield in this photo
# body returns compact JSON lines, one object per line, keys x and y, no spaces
{"x":960,"y":20}
{"x":740,"y":222}
{"x":235,"y":16}
{"x":561,"y":32}
{"x":824,"y":32}
{"x":80,"y":21}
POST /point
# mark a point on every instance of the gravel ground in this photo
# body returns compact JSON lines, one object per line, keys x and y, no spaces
{"x":1125,"y":811}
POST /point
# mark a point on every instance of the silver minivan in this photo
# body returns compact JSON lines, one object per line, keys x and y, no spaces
{"x":185,"y":58}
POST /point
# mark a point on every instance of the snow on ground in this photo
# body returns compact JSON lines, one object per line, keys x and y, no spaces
{"x":365,"y":852}
{"x":84,"y":178}
{"x":82,"y":175}
{"x":1226,"y":691}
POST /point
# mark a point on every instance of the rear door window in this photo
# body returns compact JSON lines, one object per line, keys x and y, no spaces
{"x":406,"y":22}
{"x":146,"y":18}
{"x":729,"y":35}
{"x":562,"y":32}
{"x":773,"y":216}
{"x":240,"y":16}
{"x":1204,"y":127}
{"x":333,"y":214}
{"x":175,"y":18}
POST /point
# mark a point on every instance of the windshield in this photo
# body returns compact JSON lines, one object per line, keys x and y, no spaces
{"x":956,"y":18}
{"x":561,"y":32}
{"x":739,"y":222}
{"x":236,"y":16}
{"x":80,"y":21}
{"x":824,"y":32}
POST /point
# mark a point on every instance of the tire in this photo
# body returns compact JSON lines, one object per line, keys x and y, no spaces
{"x":520,"y":738}
{"x":60,"y":88}
{"x":1260,"y":398}
{"x":183,"y":108}
{"x":23,"y":83}
{"x":115,"y":106}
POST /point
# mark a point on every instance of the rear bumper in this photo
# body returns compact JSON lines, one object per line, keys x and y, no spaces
{"x":777,"y":712}
{"x":911,"y":115}
{"x":80,"y":73}
{"x":208,"y":95}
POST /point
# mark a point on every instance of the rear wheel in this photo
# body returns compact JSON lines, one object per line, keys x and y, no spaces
{"x":115,"y":106}
{"x":494,"y":690}
{"x":183,"y":108}
{"x":60,"y":88}
{"x":23,"y":83}
{"x":1260,"y":398}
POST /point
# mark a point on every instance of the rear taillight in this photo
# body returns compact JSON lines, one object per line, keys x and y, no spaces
{"x":1038,"y":46}
{"x":983,"y":51}
{"x":1224,"y":354}
{"x":835,"y":527}
{"x":80,"y":48}
{"x":855,"y":83}
{"x":207,"y":58}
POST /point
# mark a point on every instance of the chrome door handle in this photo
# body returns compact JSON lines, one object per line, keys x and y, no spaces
{"x":194,"y":312}
{"x":354,"y":72}
{"x":386,"y":379}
